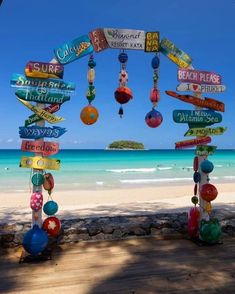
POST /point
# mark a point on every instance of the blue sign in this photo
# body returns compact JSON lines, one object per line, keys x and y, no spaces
{"x":36,"y":132}
{"x":73,"y":50}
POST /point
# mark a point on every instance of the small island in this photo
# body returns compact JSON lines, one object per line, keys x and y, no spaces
{"x":125,"y":145}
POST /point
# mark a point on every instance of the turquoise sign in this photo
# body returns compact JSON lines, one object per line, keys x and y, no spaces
{"x":73,"y":50}
{"x":18,"y":80}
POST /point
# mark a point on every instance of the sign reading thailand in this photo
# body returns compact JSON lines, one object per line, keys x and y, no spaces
{"x":46,"y":148}
{"x":39,"y":162}
{"x":53,"y":119}
{"x":198,"y":77}
{"x":73,"y":50}
{"x":201,"y":88}
{"x":44,"y":70}
{"x":21,"y":81}
{"x":207,"y":102}
{"x":205,"y":150}
{"x":35,"y":118}
{"x":47,"y":97}
{"x":152,"y":42}
{"x":206,"y":117}
{"x":125,"y":39}
{"x":36,"y":132}
{"x":201,"y":132}
{"x":192,"y":143}
{"x":98,"y":40}
{"x":174,"y":54}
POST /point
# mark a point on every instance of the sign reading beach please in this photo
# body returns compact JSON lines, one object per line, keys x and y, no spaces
{"x":198,"y":77}
{"x":39,"y":162}
{"x":46,"y":148}
{"x":125,"y":38}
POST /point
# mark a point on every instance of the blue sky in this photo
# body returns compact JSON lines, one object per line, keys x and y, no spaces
{"x":30,"y":30}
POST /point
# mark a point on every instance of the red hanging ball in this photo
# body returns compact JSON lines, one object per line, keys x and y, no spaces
{"x":52,"y":226}
{"x":154,"y":95}
{"x":123,"y":95}
{"x":208,"y":192}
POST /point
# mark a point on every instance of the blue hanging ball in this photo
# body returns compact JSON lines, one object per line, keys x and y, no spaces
{"x":123,"y":57}
{"x":50,"y":207}
{"x":197,"y":177}
{"x":35,"y":240}
{"x":155,"y":62}
{"x":207,"y":166}
{"x":91,"y":63}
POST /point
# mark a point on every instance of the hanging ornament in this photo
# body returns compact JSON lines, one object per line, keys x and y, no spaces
{"x":89,"y":115}
{"x":50,"y":207}
{"x":210,"y":231}
{"x":153,"y":118}
{"x":208,"y":192}
{"x":123,"y":94}
{"x":36,"y":201}
{"x":48,"y":183}
{"x":52,"y":226}
{"x":193,"y":220}
{"x":206,"y":166}
{"x":37,"y":179}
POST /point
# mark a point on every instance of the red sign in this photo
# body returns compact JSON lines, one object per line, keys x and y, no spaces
{"x":44,"y":70}
{"x":192,"y":143}
{"x":98,"y":40}
{"x":198,"y":77}
{"x":46,"y":148}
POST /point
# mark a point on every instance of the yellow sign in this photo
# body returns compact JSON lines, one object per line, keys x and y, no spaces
{"x":177,"y":60}
{"x":53,"y":119}
{"x":152,"y":42}
{"x":39,"y":162}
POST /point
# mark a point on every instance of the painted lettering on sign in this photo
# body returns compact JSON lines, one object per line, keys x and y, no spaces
{"x":73,"y":50}
{"x":207,"y":117}
{"x":36,"y":132}
{"x":192,"y":143}
{"x":198,"y":77}
{"x":201,"y":132}
{"x":40,"y":163}
{"x":152,"y":42}
{"x":125,"y":38}
{"x":35,"y":69}
{"x":98,"y":40}
{"x":45,"y":148}
{"x":205,"y":150}
{"x":201,"y":88}
{"x":35,"y":118}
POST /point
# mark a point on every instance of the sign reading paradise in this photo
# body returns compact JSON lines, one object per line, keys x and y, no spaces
{"x":201,"y":132}
{"x":46,"y":148}
{"x":35,"y":69}
{"x":198,"y":77}
{"x":201,"y":88}
{"x":35,"y":118}
{"x":174,"y":54}
{"x":152,"y":40}
{"x":192,"y":142}
{"x":125,"y":38}
{"x":200,"y":117}
{"x":48,"y":97}
{"x":36,"y":132}
{"x":205,"y":150}
{"x":53,"y":119}
{"x":39,"y":162}
{"x":73,"y":50}
{"x":20,"y":81}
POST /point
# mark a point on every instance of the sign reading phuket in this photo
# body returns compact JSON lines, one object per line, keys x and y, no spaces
{"x":207,"y":117}
{"x":125,"y":39}
{"x":198,"y":77}
{"x":73,"y":50}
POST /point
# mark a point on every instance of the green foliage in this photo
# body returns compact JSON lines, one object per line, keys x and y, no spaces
{"x":126,"y":145}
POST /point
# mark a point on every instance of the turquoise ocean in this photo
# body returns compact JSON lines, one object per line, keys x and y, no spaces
{"x":105,"y":169}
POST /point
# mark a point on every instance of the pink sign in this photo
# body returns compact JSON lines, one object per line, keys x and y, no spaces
{"x":46,"y":148}
{"x":198,"y":77}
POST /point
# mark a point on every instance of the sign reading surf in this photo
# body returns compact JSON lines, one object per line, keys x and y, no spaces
{"x":198,"y":77}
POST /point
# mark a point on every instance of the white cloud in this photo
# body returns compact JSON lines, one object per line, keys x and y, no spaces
{"x":10,"y":140}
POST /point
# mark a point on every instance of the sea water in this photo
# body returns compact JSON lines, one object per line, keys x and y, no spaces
{"x":106,"y":169}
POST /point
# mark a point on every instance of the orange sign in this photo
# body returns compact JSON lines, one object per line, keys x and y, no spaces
{"x":46,"y":148}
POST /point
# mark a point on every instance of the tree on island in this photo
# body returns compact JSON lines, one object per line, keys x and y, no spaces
{"x":125,"y":144}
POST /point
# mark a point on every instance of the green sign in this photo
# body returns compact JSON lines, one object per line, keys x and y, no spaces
{"x":205,"y":150}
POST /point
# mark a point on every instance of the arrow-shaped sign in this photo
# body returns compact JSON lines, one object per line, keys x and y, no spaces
{"x":197,"y":118}
{"x":202,"y":132}
{"x":39,"y":162}
{"x":201,"y":88}
{"x":36,"y":132}
{"x":205,"y":150}
{"x":192,"y":143}
{"x":46,"y":148}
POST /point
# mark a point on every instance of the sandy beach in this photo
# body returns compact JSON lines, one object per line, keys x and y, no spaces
{"x":82,"y":203}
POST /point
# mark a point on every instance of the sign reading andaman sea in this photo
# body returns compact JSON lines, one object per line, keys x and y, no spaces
{"x":74,"y":49}
{"x":207,"y":117}
{"x":35,"y":118}
{"x":125,"y":38}
{"x":45,"y":70}
{"x":18,"y":80}
{"x":201,"y":88}
{"x":36,"y":132}
{"x":39,"y":162}
{"x":46,"y":148}
{"x":198,"y":77}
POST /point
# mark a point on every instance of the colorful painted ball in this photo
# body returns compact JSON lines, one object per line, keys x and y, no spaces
{"x":210,"y":231}
{"x":208,"y":192}
{"x":90,"y":94}
{"x":37,"y":179}
{"x":50,"y":207}
{"x":196,"y":177}
{"x":154,"y":95}
{"x":123,"y":57}
{"x":52,"y":226}
{"x":155,"y":62}
{"x":153,"y":118}
{"x":91,"y":63}
{"x":36,"y":201}
{"x":48,"y":183}
{"x":194,"y":200}
{"x":89,"y":115}
{"x":123,"y":95}
{"x":207,"y":166}
{"x":35,"y":240}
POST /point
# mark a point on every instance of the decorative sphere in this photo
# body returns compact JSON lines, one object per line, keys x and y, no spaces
{"x":208,"y":192}
{"x":36,"y":201}
{"x":37,"y":179}
{"x":89,"y":115}
{"x":123,"y":57}
{"x":154,"y":95}
{"x":210,"y":231}
{"x":194,"y":200}
{"x":123,"y":95}
{"x":35,"y":240}
{"x":155,"y":62}
{"x":50,"y":207}
{"x":91,"y":63}
{"x":52,"y":226}
{"x":207,"y":166}
{"x":153,"y":118}
{"x":196,"y":177}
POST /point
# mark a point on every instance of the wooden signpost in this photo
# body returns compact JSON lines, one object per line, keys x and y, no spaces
{"x":205,"y":117}
{"x":205,"y":150}
{"x":73,"y":50}
{"x":45,"y":148}
{"x":35,"y":69}
{"x":198,"y":77}
{"x":152,"y":42}
{"x":35,"y":118}
{"x":207,"y":102}
{"x":192,"y":142}
{"x":36,"y":132}
{"x":43,"y":114}
{"x":40,"y":163}
{"x":201,"y":88}
{"x":202,"y":132}
{"x":98,"y":40}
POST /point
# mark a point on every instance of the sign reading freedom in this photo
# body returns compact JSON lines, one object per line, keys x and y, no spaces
{"x":46,"y":148}
{"x":198,"y":77}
